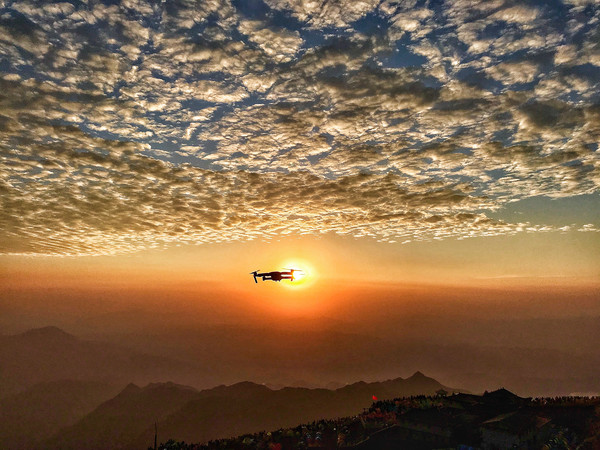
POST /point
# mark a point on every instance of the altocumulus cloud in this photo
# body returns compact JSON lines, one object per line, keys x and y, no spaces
{"x":139,"y":124}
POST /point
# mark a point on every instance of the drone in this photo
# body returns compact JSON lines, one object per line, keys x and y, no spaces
{"x":275,"y":276}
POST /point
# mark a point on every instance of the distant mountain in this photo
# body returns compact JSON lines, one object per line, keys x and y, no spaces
{"x":50,"y":354}
{"x":36,"y":414}
{"x":281,"y":355}
{"x":45,"y":333}
{"x":127,"y":421}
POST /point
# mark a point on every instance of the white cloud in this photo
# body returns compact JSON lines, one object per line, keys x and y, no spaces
{"x":279,"y":44}
{"x":325,"y":13}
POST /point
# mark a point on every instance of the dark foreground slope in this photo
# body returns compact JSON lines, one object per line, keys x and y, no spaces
{"x":127,"y":421}
{"x":498,"y":419}
{"x":29,"y":417}
{"x":118,"y":421}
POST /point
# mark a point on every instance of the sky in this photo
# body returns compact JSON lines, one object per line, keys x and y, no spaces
{"x":157,"y":152}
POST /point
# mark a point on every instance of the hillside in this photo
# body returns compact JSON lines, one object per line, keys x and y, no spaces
{"x":119,"y":420}
{"x":37,"y":413}
{"x":498,"y":419}
{"x":127,"y":421}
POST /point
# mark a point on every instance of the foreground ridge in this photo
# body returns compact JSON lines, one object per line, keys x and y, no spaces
{"x":498,"y":419}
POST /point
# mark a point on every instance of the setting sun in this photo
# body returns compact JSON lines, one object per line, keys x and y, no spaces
{"x":304,"y":273}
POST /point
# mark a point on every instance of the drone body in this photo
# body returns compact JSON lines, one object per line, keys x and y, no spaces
{"x":275,"y":276}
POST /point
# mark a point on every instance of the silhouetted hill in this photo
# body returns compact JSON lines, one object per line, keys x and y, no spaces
{"x":119,"y":420}
{"x":414,"y":385}
{"x":36,"y":414}
{"x":50,"y":354}
{"x":127,"y":421}
{"x":502,"y":396}
{"x":46,"y":333}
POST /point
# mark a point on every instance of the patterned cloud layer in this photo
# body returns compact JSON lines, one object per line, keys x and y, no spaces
{"x":143,"y":124}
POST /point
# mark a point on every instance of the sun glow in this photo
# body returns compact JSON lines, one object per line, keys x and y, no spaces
{"x":304,"y":274}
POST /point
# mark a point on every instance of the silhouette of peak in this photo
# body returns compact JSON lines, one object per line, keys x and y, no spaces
{"x":501,"y":393}
{"x":243,"y":388}
{"x":130,"y":389}
{"x":50,"y":332}
{"x":418,"y":375}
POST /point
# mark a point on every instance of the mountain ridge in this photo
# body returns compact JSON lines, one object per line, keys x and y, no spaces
{"x":222,"y":411}
{"x":51,"y":354}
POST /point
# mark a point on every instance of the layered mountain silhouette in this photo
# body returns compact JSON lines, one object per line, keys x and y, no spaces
{"x":50,"y":354}
{"x":280,"y":354}
{"x":204,"y":356}
{"x":29,"y":417}
{"x":183,"y":413}
{"x":58,"y":391}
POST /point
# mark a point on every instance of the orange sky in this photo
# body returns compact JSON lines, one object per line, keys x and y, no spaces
{"x":345,"y":277}
{"x":512,"y":260}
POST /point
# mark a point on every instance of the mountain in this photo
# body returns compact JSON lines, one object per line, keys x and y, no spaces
{"x":212,"y":416}
{"x":115,"y":422}
{"x":127,"y":421}
{"x":36,"y":414}
{"x":50,"y":354}
{"x":285,"y":354}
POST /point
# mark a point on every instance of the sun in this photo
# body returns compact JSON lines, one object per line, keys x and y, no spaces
{"x":304,"y":273}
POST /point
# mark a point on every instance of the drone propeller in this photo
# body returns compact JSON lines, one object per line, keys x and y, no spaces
{"x":256,"y":271}
{"x":294,"y":270}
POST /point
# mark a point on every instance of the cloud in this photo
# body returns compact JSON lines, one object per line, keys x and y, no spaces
{"x":146,"y":124}
{"x":91,"y":196}
{"x":325,"y":13}
{"x":514,"y":72}
{"x":278,"y":43}
{"x":519,"y":14}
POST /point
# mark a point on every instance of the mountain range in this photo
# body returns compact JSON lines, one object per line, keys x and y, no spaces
{"x":182,"y":413}
{"x":59,"y":391}
{"x":50,"y":354}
